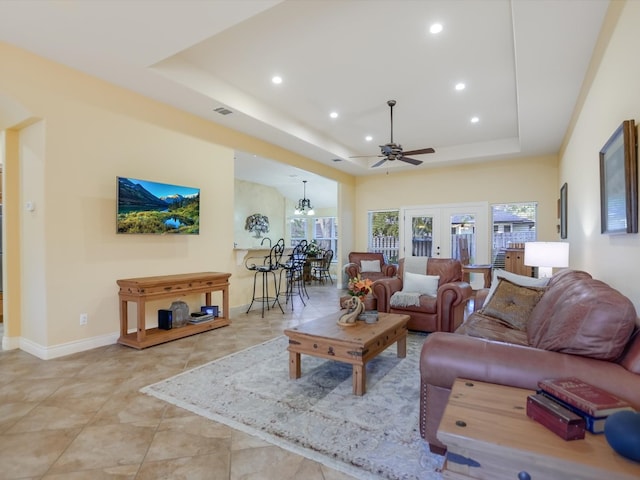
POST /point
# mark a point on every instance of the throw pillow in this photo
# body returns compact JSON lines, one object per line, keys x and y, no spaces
{"x":422,"y":284}
{"x":521,"y":280}
{"x":370,"y":266}
{"x":512,"y":304}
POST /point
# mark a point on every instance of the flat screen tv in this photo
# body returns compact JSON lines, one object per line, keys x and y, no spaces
{"x":158,"y":208}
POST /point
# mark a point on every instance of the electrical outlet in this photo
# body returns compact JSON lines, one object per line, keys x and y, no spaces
{"x":83,"y":318}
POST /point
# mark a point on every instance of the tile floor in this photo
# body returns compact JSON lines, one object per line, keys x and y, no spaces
{"x":82,"y":417}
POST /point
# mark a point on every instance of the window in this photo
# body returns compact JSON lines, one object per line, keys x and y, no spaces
{"x":324,"y":230}
{"x":325,"y":233}
{"x":298,"y":227}
{"x":383,"y":234}
{"x":512,"y":223}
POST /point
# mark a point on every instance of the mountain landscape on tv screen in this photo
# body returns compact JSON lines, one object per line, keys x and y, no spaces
{"x":151,"y":207}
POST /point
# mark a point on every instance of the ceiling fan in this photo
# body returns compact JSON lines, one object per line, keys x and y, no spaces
{"x":393,"y":151}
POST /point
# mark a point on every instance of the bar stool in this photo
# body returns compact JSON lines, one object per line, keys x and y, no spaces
{"x":268,"y":265}
{"x":293,"y":269}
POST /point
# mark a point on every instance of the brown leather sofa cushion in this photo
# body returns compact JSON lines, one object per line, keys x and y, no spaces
{"x":575,"y":315}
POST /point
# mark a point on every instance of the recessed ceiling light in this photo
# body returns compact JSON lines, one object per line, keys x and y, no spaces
{"x":460,"y":86}
{"x":333,"y":114}
{"x":475,"y":119}
{"x":435,"y":28}
{"x":276,"y":79}
{"x":368,"y":138}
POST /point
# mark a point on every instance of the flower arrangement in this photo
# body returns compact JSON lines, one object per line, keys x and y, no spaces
{"x":313,"y":249}
{"x":257,"y":223}
{"x":359,"y":287}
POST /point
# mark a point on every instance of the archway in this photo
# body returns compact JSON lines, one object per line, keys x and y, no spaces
{"x":13,"y":117}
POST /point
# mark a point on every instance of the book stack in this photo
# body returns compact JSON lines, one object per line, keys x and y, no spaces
{"x":566,"y":405}
{"x":200,"y":317}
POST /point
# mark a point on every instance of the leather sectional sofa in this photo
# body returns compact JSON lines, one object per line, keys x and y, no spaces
{"x":579,"y":327}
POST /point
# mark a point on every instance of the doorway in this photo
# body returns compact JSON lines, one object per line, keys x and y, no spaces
{"x":436,"y":230}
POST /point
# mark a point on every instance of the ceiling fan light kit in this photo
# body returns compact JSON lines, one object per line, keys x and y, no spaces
{"x":393,"y":151}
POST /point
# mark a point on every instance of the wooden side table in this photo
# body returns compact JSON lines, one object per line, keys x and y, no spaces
{"x":483,"y":269}
{"x":488,"y":435}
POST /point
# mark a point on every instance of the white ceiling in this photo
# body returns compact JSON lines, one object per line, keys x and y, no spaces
{"x":522,"y":61}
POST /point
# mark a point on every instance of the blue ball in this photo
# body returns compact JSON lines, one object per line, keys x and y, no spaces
{"x":622,"y":431}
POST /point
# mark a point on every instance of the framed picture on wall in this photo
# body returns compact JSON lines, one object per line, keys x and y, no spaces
{"x":619,"y":181}
{"x":563,"y":211}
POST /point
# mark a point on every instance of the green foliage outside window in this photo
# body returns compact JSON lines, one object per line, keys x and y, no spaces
{"x":385,"y":224}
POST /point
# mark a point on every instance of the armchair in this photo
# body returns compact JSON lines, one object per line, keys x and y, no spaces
{"x":442,"y":313}
{"x":354,"y":267}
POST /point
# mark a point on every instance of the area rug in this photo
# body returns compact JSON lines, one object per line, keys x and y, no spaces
{"x":375,"y":436}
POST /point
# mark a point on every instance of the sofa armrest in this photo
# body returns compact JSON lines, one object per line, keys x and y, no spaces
{"x":383,"y":289}
{"x":352,"y":270}
{"x":447,"y":356}
{"x":389,"y":270}
{"x":452,"y":299}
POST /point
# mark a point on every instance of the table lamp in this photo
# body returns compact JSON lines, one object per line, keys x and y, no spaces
{"x":545,"y":256}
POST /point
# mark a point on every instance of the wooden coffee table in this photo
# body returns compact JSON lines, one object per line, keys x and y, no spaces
{"x":489,"y":436}
{"x":356,"y":345}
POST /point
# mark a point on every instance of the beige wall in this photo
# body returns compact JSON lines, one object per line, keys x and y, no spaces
{"x":250,"y":198}
{"x":507,"y":181}
{"x":71,"y":256}
{"x":613,"y":97}
{"x":74,"y":135}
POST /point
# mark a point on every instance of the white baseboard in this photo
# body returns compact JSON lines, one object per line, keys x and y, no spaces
{"x":55,"y":351}
{"x":10,"y":343}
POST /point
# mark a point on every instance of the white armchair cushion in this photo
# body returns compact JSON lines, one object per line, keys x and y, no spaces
{"x":370,"y":266}
{"x":422,"y":284}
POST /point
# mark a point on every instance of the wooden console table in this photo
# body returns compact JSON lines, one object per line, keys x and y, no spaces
{"x":486,"y":428}
{"x":144,"y":289}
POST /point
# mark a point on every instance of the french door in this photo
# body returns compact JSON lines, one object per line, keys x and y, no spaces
{"x":442,"y":230}
{"x":421,"y":228}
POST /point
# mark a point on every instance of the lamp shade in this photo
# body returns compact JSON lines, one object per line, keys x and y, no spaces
{"x":546,"y":254}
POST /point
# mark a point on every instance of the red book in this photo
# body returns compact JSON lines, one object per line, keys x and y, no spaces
{"x":555,"y":417}
{"x":584,"y":396}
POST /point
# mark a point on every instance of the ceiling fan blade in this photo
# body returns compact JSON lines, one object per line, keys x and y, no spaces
{"x":420,"y":152}
{"x":366,"y":156}
{"x":412,"y":161}
{"x":377,"y":164}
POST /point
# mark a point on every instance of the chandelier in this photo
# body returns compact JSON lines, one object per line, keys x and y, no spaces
{"x":304,"y":204}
